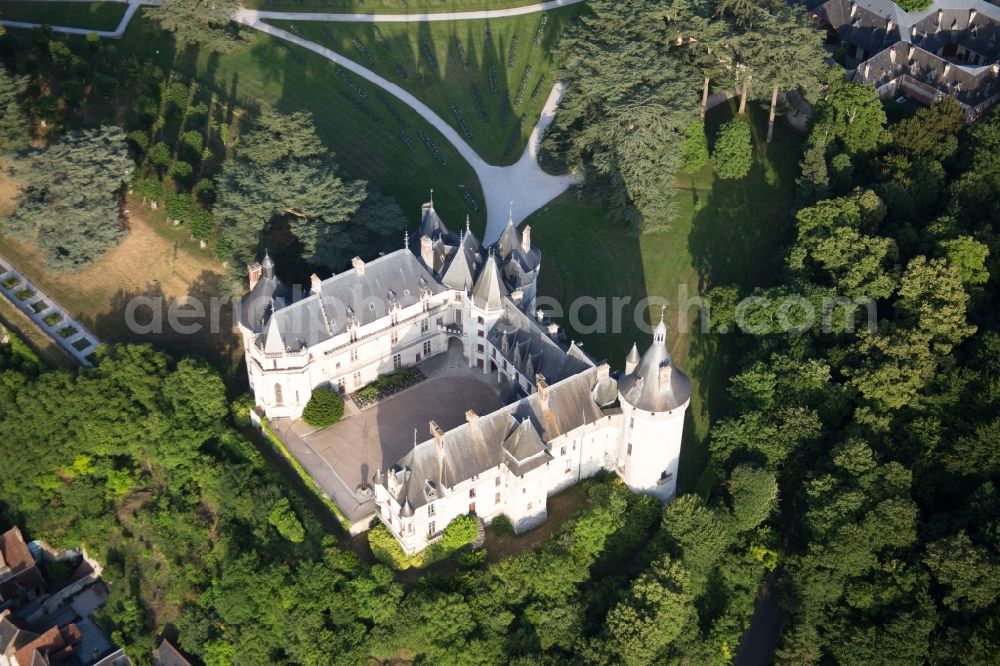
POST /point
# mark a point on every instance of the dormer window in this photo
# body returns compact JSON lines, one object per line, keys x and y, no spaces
{"x":371,"y":306}
{"x":406,"y":292}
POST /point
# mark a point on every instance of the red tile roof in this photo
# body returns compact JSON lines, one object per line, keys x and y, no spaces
{"x":55,"y":644}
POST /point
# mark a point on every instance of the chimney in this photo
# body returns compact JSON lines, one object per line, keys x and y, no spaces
{"x":543,"y":391}
{"x":666,"y":373}
{"x":553,"y":330}
{"x":972,"y":15}
{"x":472,"y":417}
{"x":359,"y":266}
{"x":603,"y":372}
{"x":540,"y":315}
{"x":254,"y":271}
{"x":316,"y":283}
{"x":889,"y":25}
{"x":427,"y":252}
{"x":526,"y":239}
{"x":517,"y":296}
{"x":438,"y":436}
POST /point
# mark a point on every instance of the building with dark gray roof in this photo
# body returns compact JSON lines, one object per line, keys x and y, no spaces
{"x":565,"y":416}
{"x":952,"y":49}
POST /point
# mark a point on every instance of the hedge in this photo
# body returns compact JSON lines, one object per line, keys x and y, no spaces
{"x":459,"y":533}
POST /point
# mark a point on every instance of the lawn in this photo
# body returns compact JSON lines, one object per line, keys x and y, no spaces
{"x":90,"y":15}
{"x":384,"y":6}
{"x":373,"y":136}
{"x":729,"y":232}
{"x":488,"y":79}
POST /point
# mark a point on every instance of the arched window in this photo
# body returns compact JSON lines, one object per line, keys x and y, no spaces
{"x":278,"y":400}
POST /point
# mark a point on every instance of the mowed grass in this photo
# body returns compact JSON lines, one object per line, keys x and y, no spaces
{"x":729,"y":232}
{"x":375,"y":137}
{"x":88,"y":15}
{"x":488,"y":79}
{"x":384,"y":6}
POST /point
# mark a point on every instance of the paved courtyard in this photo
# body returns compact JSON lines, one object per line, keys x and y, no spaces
{"x":338,"y":458}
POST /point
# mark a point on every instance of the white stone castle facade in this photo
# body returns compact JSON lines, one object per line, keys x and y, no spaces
{"x":567,"y":417}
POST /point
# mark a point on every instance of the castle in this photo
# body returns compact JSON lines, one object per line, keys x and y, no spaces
{"x":566,"y":417}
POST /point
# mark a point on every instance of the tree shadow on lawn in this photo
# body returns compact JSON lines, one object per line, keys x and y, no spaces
{"x":737,"y":238}
{"x":143,"y":316}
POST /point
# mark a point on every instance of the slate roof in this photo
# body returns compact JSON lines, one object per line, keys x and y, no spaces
{"x":17,"y":566}
{"x":911,"y":47}
{"x":398,"y":277}
{"x":268,"y":295}
{"x":489,"y":290}
{"x":12,"y":636}
{"x":53,"y":645}
{"x":656,"y":384}
{"x":514,"y":435}
{"x":464,"y":264}
{"x":520,"y":341}
{"x":168,"y":655}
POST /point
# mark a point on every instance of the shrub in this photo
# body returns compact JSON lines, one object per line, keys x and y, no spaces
{"x":59,"y":51}
{"x":460,"y":532}
{"x":202,"y":224}
{"x":205,"y":191}
{"x":150,"y":188}
{"x":52,"y":319}
{"x":106,"y":85}
{"x":159,"y":154}
{"x":139,"y":139}
{"x":72,"y":92}
{"x":191,"y":144}
{"x":11,"y":282}
{"x":24,"y":294}
{"x":694,"y":150}
{"x":240,"y":409}
{"x":325,"y":407}
{"x":147,"y":109}
{"x":733,"y":153}
{"x":502,"y":526}
{"x":283,"y":519}
{"x":178,"y":206}
{"x":67,"y":331}
{"x":181,"y":171}
{"x":176,"y":95}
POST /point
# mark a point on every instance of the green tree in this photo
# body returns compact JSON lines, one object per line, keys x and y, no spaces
{"x":283,"y":170}
{"x":205,"y":23}
{"x":732,"y":155}
{"x":850,"y":114}
{"x":970,"y":574}
{"x":694,"y":152}
{"x":652,"y":615}
{"x":283,"y":519}
{"x":325,"y":407}
{"x":754,"y":494}
{"x":71,"y":196}
{"x":968,"y":256}
{"x":15,"y":130}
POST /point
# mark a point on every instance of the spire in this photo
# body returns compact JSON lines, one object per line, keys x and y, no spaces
{"x":267,"y":265}
{"x":510,"y":213}
{"x":632,"y":359}
{"x":432,"y":197}
{"x":406,"y":240}
{"x":467,"y":223}
{"x":660,"y":334}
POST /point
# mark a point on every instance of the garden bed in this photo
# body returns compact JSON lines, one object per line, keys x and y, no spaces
{"x":68,"y":331}
{"x":11,"y":282}
{"x":81,"y":344}
{"x":52,"y":318}
{"x":39,"y":306}
{"x":24,"y":294}
{"x":387,"y":385}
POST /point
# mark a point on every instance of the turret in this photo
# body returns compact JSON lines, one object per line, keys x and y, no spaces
{"x":654,"y":395}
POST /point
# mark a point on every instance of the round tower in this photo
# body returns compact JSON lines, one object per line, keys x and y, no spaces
{"x":654,"y":396}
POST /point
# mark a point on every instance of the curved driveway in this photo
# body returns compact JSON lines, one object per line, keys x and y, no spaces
{"x":517,"y":190}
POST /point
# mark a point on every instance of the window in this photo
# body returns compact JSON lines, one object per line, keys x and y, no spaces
{"x":631,"y":423}
{"x":430,"y":528}
{"x":481,"y":334}
{"x":562,"y":450}
{"x":342,"y":385}
{"x":481,"y":320}
{"x":354,"y":336}
{"x":371,"y":306}
{"x":357,"y":379}
{"x":431,"y":510}
{"x":497,"y":484}
{"x":354,"y":355}
{"x":397,"y":361}
{"x":630,"y":448}
{"x":296,"y":397}
{"x":496,"y":500}
{"x":406,"y":292}
{"x":424,"y":325}
{"x":394,"y":338}
{"x":278,"y":400}
{"x":427,"y":348}
{"x":472,"y":493}
{"x":665,"y":477}
{"x":480,"y":348}
{"x":531,"y":505}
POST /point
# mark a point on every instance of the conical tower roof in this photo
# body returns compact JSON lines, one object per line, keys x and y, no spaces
{"x":489,"y":290}
{"x":656,"y":384}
